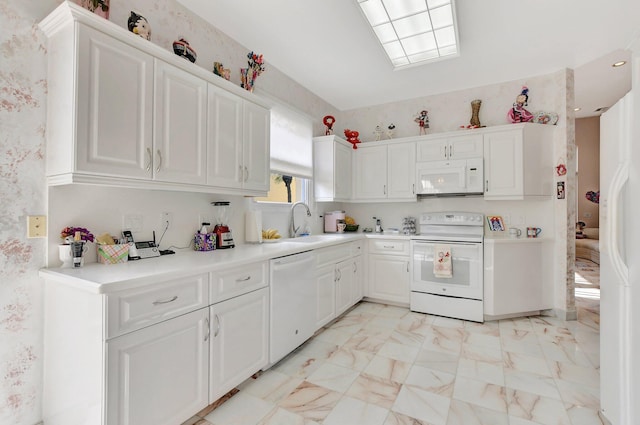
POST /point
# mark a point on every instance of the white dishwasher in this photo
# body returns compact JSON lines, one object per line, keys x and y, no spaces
{"x":292,"y":290}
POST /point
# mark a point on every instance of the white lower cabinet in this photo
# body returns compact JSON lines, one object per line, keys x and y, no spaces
{"x":159,"y":374}
{"x":239,"y":340}
{"x":389,"y":270}
{"x":338,"y":280}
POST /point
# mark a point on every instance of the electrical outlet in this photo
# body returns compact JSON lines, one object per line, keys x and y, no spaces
{"x":37,"y":226}
{"x":166,"y":219}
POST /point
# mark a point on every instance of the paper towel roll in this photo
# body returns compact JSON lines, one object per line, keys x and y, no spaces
{"x":253,"y":226}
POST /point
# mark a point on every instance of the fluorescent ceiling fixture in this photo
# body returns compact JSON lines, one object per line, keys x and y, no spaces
{"x":618,"y":64}
{"x":577,"y":109}
{"x":413,"y":31}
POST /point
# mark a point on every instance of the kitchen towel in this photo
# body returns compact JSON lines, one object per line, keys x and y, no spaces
{"x":442,"y":265}
{"x":253,"y":226}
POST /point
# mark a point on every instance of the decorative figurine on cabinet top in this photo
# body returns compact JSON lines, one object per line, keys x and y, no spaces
{"x":99,"y":7}
{"x":138,"y":24}
{"x":181,"y":48}
{"x":390,"y":129}
{"x":378,"y":132}
{"x":517,"y":113}
{"x":352,"y":137}
{"x":249,"y":74}
{"x":221,"y":71}
{"x":423,"y":121}
{"x":328,"y":122}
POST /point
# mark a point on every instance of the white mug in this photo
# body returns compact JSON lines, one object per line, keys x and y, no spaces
{"x":341,"y":227}
{"x":514,"y":232}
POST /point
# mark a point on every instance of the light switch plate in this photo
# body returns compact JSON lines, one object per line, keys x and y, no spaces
{"x":37,"y":226}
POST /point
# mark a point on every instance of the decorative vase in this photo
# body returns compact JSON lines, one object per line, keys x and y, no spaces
{"x":247,"y":78}
{"x":99,"y":7}
{"x":72,"y":254}
{"x":475,"y":112}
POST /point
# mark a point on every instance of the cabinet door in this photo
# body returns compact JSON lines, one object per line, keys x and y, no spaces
{"x":239,"y":340}
{"x":344,"y":286}
{"x":114,"y":107}
{"x":467,"y":146}
{"x":159,"y":375}
{"x":371,"y":172}
{"x":358,"y":280}
{"x":179,"y":126}
{"x":431,"y":150}
{"x":325,"y":295}
{"x":224,"y":139}
{"x":401,"y":171}
{"x":256,"y":136}
{"x":503,"y":164}
{"x":342,"y":172}
{"x":389,"y":278}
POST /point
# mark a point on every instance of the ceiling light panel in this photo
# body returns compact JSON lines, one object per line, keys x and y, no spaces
{"x":413,"y":31}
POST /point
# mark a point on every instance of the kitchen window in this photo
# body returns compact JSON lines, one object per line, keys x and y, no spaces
{"x":291,"y":156}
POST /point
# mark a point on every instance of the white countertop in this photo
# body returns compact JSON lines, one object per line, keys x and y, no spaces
{"x":104,"y":278}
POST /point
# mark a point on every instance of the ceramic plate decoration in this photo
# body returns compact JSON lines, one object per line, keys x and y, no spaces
{"x":541,"y":117}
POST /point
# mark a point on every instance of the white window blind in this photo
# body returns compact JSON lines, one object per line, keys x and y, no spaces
{"x":291,"y":142}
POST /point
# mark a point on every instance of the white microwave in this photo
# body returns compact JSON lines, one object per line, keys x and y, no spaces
{"x":457,"y":177}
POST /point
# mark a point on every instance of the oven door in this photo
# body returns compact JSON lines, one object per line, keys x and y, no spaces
{"x":467,"y":269}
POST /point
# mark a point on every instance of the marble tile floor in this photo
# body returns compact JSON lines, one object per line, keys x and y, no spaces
{"x":385,"y":365}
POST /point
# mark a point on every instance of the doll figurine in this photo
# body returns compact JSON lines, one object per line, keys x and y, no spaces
{"x":423,"y":121}
{"x":138,"y":24}
{"x":517,"y":113}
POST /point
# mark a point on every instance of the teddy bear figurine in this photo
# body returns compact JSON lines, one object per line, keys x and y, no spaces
{"x":352,"y":137}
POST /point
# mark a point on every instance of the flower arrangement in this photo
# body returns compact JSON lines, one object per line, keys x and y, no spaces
{"x":70,"y":234}
{"x":254,"y":69}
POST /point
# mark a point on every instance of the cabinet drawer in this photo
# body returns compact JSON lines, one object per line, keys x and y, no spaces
{"x":136,"y":308}
{"x":332,"y":254}
{"x":389,"y":246}
{"x":230,"y":283}
{"x":357,"y":248}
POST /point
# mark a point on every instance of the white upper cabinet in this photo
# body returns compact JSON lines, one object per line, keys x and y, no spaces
{"x":518,"y":162}
{"x":449,"y":148}
{"x":126,"y":112}
{"x":179,"y":148}
{"x":224,"y":139}
{"x":385,"y":172}
{"x":332,"y":169}
{"x":255,"y":147}
{"x":113,"y":106}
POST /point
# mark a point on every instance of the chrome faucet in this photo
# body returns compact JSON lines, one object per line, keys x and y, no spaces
{"x":293,"y":230}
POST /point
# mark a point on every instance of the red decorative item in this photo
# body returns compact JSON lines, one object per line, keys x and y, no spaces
{"x":352,"y":137}
{"x":328,"y":121}
{"x":561,"y":170}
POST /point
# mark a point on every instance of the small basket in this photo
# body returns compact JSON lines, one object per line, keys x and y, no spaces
{"x":204,"y":242}
{"x":351,"y":227}
{"x":113,"y":254}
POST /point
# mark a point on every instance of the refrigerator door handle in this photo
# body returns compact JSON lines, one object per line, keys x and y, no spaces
{"x":614,"y":235}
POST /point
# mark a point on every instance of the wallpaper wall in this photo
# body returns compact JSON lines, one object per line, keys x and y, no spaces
{"x":23,"y":89}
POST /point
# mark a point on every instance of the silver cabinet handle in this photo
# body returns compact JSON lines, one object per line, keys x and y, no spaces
{"x":339,"y":275}
{"x":244,"y":279}
{"x":170,"y":300}
{"x":450,"y":151}
{"x":413,"y":188}
{"x":215,"y":334}
{"x":159,"y":161}
{"x":445,"y":152}
{"x":385,"y":189}
{"x":206,"y":337}
{"x":388,"y":246}
{"x":486,"y":185}
{"x":241,"y":173}
{"x":407,"y":267}
{"x":150,"y":156}
{"x":246,"y":173}
{"x":355,"y":267}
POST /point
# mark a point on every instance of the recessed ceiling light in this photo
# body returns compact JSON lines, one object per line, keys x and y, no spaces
{"x":577,"y":109}
{"x":413,"y":31}
{"x":619,"y":63}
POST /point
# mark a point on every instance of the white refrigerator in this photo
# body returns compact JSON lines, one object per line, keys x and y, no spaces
{"x":620,"y":257}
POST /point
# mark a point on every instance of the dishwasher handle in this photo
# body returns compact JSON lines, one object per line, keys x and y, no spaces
{"x":295,"y":259}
